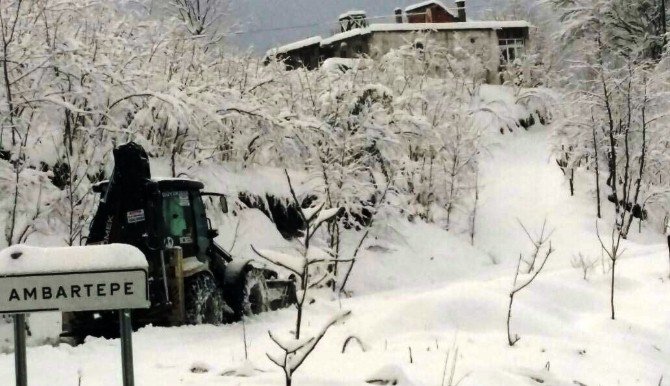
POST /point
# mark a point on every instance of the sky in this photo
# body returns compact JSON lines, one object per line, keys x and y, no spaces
{"x":263,"y":24}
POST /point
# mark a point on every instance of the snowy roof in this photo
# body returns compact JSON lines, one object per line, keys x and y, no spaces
{"x":352,"y":13}
{"x":295,"y":45}
{"x":345,"y":35}
{"x":422,"y":4}
{"x":391,"y":27}
{"x":386,"y":27}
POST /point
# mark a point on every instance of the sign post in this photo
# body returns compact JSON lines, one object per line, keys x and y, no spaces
{"x":126,"y":347}
{"x":92,"y":278}
{"x":20,"y":350}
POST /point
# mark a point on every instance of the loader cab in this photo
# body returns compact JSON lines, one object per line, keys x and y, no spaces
{"x":172,"y":214}
{"x":185,"y":222}
{"x":175,"y":216}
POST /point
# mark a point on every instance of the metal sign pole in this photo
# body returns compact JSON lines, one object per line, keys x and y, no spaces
{"x":126,"y":348}
{"x":20,"y":350}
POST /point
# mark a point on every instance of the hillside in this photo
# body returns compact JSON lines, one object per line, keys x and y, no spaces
{"x":428,"y":291}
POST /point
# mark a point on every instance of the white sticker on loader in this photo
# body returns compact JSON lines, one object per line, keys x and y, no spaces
{"x":183,"y":199}
{"x":135,"y":216}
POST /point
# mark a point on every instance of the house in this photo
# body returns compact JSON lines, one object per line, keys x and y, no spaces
{"x":433,"y":12}
{"x":495,"y":42}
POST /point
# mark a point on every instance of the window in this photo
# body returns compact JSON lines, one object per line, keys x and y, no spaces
{"x":201,"y":225}
{"x":510,"y":49}
{"x":178,"y":217}
{"x":419,"y":47}
{"x":343,"y":49}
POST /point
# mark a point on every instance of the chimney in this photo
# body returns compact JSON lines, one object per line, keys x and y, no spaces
{"x":352,"y":20}
{"x":398,"y":15}
{"x":460,"y":4}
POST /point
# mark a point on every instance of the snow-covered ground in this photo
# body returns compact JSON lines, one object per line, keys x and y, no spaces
{"x":425,"y":294}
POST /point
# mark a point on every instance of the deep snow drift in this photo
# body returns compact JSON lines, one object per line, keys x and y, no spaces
{"x":422,"y":292}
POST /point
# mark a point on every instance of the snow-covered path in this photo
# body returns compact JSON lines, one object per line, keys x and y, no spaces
{"x":433,"y":293}
{"x":522,"y":183}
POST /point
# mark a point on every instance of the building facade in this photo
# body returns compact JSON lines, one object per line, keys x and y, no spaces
{"x":496,"y":43}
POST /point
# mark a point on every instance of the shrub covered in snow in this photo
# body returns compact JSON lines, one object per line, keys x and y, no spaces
{"x":106,"y":76}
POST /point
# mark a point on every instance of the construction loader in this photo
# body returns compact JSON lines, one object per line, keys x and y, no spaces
{"x":192,"y":279}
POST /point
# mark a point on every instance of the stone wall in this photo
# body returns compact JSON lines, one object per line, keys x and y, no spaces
{"x":483,"y":43}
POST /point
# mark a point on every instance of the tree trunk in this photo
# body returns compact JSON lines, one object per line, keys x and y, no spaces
{"x":12,"y":223}
{"x":473,"y":219}
{"x":627,"y":178}
{"x":612,"y":289}
{"x":611,"y":128}
{"x":597,"y":171}
{"x":643,"y":153}
{"x":664,"y":26}
{"x":510,"y":341}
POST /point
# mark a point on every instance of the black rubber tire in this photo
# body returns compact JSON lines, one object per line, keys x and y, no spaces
{"x":203,"y":300}
{"x":255,"y":297}
{"x":86,"y":323}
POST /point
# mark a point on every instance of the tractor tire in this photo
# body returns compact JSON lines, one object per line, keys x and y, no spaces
{"x":203,"y":301}
{"x":254,"y":296}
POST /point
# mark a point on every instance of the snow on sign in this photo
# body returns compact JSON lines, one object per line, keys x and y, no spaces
{"x":103,"y":277}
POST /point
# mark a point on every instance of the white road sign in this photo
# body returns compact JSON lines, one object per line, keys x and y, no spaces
{"x":88,"y":278}
{"x":81,"y":291}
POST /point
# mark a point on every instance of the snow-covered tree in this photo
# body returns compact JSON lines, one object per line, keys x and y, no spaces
{"x":618,"y":84}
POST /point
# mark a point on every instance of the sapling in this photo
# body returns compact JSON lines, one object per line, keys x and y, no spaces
{"x":297,"y":349}
{"x":537,"y":242}
{"x":449,"y":372}
{"x":614,"y":252}
{"x":584,"y":264}
{"x":539,"y":245}
{"x":374,"y":210}
{"x":313,"y":218}
{"x":473,"y":213}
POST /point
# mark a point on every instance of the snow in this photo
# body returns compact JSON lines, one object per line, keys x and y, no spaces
{"x":326,"y":215}
{"x":191,"y":264}
{"x":424,"y":4}
{"x":344,"y":64}
{"x":352,"y":13}
{"x":345,"y":35}
{"x":24,"y":259}
{"x":251,"y":227}
{"x":468,"y":25}
{"x":231,"y":179}
{"x":389,"y":375}
{"x":289,"y":261}
{"x":310,"y":212}
{"x":415,"y":289}
{"x":419,"y":287}
{"x":314,"y":40}
{"x":393,"y":27}
{"x":247,"y":369}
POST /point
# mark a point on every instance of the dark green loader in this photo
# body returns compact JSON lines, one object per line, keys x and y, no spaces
{"x":192,"y":280}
